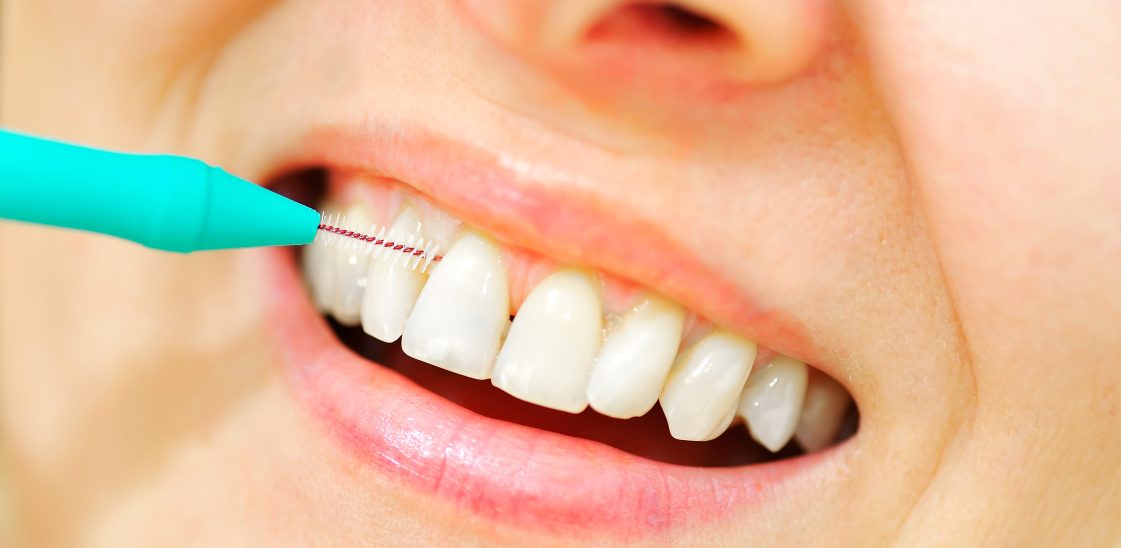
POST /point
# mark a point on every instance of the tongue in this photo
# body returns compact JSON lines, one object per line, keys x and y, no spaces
{"x":646,"y":436}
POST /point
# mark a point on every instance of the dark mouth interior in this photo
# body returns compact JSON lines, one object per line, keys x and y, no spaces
{"x":671,"y":23}
{"x":647,"y":436}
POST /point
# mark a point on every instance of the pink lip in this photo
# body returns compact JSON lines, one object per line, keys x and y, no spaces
{"x":511,"y":473}
{"x":498,"y":470}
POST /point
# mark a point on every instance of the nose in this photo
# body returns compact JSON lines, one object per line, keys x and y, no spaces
{"x":741,"y":41}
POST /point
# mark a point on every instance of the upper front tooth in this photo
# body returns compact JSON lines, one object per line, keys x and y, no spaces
{"x":822,"y":412}
{"x":392,"y":285}
{"x":352,"y":262}
{"x":631,"y":367}
{"x":548,"y":354}
{"x":703,"y":387}
{"x":463,"y":310}
{"x":772,"y":401}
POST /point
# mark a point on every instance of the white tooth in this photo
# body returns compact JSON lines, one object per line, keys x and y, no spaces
{"x":318,"y":260}
{"x":703,"y":387}
{"x":463,"y":310}
{"x":822,"y":412}
{"x":392,"y":287}
{"x":351,"y":263}
{"x":548,"y":353}
{"x":631,"y":367}
{"x":772,"y":401}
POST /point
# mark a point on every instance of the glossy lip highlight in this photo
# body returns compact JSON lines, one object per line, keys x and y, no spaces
{"x":515,"y":474}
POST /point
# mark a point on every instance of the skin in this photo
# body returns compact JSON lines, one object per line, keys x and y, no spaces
{"x":929,"y":188}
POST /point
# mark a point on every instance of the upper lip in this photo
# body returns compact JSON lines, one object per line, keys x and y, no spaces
{"x":491,"y":192}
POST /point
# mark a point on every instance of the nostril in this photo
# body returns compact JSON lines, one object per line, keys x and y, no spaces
{"x":636,"y":53}
{"x":664,"y":22}
{"x":682,"y":20}
{"x":685,"y":20}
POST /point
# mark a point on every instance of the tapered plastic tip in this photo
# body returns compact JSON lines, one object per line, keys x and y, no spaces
{"x":242,"y":214}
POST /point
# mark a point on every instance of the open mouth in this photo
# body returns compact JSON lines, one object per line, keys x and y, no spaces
{"x":555,"y":394}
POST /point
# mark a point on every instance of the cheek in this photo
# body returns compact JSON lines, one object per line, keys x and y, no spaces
{"x":811,"y":185}
{"x":1016,"y":162}
{"x":143,"y":330}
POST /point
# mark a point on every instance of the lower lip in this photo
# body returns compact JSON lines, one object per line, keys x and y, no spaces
{"x":497,"y":470}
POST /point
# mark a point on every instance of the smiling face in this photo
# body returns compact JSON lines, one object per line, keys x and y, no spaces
{"x":918,"y":201}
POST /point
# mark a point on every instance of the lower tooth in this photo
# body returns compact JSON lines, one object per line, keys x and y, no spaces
{"x":772,"y":401}
{"x":392,"y":287}
{"x":703,"y":387}
{"x":822,"y":412}
{"x":352,"y":261}
{"x":463,"y":310}
{"x":548,"y":353}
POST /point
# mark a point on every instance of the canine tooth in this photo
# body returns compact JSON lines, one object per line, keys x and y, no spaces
{"x":351,"y":263}
{"x":548,"y":353}
{"x":703,"y":387}
{"x":392,"y":285}
{"x":822,"y":412}
{"x":772,"y":401}
{"x":633,"y":362}
{"x":431,"y":249}
{"x":463,"y":310}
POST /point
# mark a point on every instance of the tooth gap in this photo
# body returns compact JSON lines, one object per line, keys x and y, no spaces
{"x":414,"y":258}
{"x":429,"y":255}
{"x":378,"y":236}
{"x":405,"y":251}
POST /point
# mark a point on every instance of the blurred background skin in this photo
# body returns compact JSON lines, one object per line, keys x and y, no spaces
{"x":140,"y":405}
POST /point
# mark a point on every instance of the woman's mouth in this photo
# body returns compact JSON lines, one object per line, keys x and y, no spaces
{"x":532,"y":389}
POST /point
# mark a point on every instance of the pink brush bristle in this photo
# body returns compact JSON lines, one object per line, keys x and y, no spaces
{"x":421,"y":253}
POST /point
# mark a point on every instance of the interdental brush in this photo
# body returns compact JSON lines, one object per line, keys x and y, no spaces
{"x":171,"y":203}
{"x":416,"y":252}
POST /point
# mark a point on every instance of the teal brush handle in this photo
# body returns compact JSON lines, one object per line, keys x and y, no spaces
{"x":164,"y":202}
